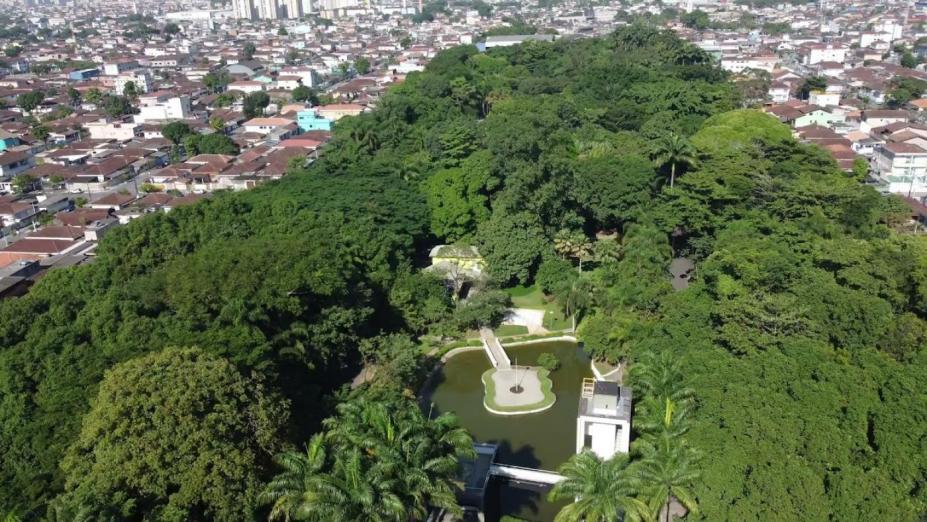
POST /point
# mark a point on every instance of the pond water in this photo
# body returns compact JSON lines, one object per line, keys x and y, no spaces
{"x":543,"y":440}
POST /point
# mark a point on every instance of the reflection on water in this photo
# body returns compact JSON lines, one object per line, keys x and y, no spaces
{"x":544,"y":440}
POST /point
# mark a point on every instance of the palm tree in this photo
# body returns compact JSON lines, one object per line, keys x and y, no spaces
{"x":656,"y":419}
{"x":667,"y":471}
{"x":355,"y":488}
{"x":659,"y":375}
{"x":674,"y":150}
{"x":575,"y":298}
{"x":603,"y":491}
{"x":573,"y":244}
{"x":301,"y":477}
{"x":415,"y":456}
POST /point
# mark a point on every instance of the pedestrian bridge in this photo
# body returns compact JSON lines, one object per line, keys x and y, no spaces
{"x":494,"y":351}
{"x":534,"y":476}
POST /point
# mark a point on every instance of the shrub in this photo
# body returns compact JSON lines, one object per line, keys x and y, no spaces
{"x":548,"y":361}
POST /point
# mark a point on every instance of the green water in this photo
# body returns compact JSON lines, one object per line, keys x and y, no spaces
{"x":543,"y":440}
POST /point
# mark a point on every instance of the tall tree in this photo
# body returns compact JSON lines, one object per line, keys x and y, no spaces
{"x":380,"y":460}
{"x":176,"y":131}
{"x":600,"y":491}
{"x":248,"y":51}
{"x":30,"y":101}
{"x":255,"y":103}
{"x":674,"y":151}
{"x":74,"y":96}
{"x":177,"y":434}
{"x":130,"y":90}
{"x":573,"y":244}
{"x":667,"y":472}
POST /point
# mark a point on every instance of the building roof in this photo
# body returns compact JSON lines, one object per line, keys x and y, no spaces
{"x":58,"y":232}
{"x":904,"y":148}
{"x":39,"y":246}
{"x":267,"y":122}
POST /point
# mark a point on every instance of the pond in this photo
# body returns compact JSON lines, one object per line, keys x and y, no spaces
{"x":544,"y":440}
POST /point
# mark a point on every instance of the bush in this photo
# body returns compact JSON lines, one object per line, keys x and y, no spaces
{"x":548,"y":361}
{"x":486,"y":308}
{"x":554,"y":273}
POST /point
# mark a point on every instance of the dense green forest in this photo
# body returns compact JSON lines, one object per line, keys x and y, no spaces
{"x":187,"y":372}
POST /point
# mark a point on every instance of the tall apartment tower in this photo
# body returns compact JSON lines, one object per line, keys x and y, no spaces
{"x":244,"y":9}
{"x":268,"y":9}
{"x":294,"y":8}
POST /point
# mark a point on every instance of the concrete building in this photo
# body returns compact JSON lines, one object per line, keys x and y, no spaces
{"x":902,"y":168}
{"x":516,"y":39}
{"x":603,"y":423}
{"x":141,"y":78}
{"x":117,"y":68}
{"x":117,"y":130}
{"x":244,"y":9}
{"x":336,"y":111}
{"x":309,"y":120}
{"x":161,"y":106}
{"x":817,"y":53}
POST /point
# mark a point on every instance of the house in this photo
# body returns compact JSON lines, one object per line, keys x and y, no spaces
{"x":118,"y":67}
{"x":8,"y":140}
{"x":116,"y":130}
{"x":823,"y":99}
{"x":309,"y":120}
{"x":246,"y":86}
{"x":141,"y":78}
{"x":779,"y":92}
{"x":464,"y":256}
{"x":902,"y":169}
{"x":31,"y":249}
{"x":818,"y":52}
{"x":882,"y":117}
{"x":83,"y":74}
{"x":82,"y":217}
{"x":163,"y":106}
{"x":265,"y":125}
{"x":13,"y":163}
{"x":288,"y":83}
{"x":16,"y":214}
{"x":116,"y":200}
{"x":515,"y":39}
{"x":97,"y":229}
{"x":336,"y":111}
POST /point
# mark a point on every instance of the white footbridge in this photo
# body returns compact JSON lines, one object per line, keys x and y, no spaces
{"x":520,"y":474}
{"x":494,"y":351}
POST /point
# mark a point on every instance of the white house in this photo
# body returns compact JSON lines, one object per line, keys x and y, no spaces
{"x":823,"y":99}
{"x":288,"y":83}
{"x":246,"y":86}
{"x":779,"y":92}
{"x":163,"y":105}
{"x":140,"y":77}
{"x":902,"y":167}
{"x":116,"y":130}
{"x":817,"y":53}
{"x":266,"y":125}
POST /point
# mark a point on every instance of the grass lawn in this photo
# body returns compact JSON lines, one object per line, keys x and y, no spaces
{"x":528,"y":297}
{"x":489,"y":394}
{"x":507,"y":330}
